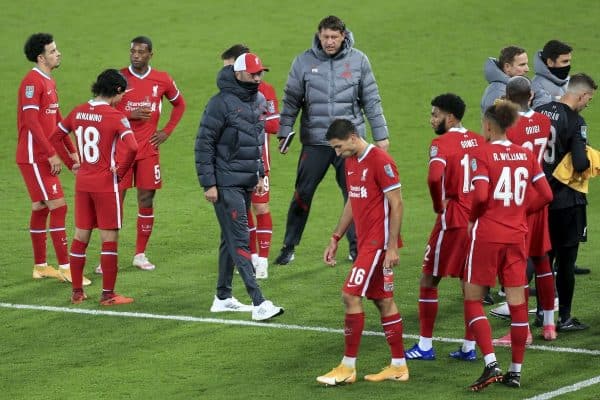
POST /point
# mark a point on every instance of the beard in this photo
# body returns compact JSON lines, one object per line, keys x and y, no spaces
{"x":441,"y":128}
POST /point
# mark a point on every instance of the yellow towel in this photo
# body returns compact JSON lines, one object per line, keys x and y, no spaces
{"x":578,"y":181}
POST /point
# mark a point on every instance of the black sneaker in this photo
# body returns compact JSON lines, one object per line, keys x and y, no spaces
{"x":491,"y":373}
{"x":512,"y":379}
{"x":581,"y":271}
{"x":285,"y":256}
{"x":539,"y":320}
{"x":570,"y":325}
{"x":488,"y":300}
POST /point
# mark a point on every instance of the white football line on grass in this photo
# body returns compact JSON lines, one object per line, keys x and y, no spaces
{"x":274,"y":325}
{"x":566,"y":389}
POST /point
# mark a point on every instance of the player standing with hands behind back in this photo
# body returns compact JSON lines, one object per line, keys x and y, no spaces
{"x":503,"y":176}
{"x":142,"y":104}
{"x":375,"y":205}
{"x":98,"y":127}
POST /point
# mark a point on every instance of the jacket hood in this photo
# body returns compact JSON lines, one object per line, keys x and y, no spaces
{"x":346,"y":46}
{"x":226,"y":82}
{"x":541,"y":69}
{"x":493,"y":72}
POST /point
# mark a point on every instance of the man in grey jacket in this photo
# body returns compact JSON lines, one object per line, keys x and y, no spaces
{"x":511,"y":62}
{"x":552,"y":66}
{"x":229,"y":168}
{"x":331,"y":80}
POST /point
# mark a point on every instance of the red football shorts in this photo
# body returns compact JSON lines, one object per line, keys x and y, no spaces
{"x":262,"y":198}
{"x":446,"y":252}
{"x":144,"y":174}
{"x":366,"y":276}
{"x":101,"y":210}
{"x":40,"y":182}
{"x":538,"y":235}
{"x":507,"y":261}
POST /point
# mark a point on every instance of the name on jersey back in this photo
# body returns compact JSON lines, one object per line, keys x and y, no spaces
{"x":89,"y":117}
{"x":509,"y":156}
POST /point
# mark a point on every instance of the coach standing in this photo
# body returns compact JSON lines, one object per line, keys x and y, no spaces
{"x":229,"y":167}
{"x":331,"y":80}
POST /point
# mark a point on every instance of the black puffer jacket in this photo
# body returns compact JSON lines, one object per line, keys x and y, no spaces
{"x":229,"y":140}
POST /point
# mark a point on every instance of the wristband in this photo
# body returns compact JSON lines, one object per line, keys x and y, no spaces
{"x":336,"y":237}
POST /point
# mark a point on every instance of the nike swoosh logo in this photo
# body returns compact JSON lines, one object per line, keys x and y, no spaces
{"x":128,"y":90}
{"x":350,"y":173}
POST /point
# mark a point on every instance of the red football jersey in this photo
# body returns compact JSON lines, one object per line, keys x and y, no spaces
{"x":146,"y":91}
{"x":454,"y":151}
{"x":531,"y":131}
{"x":97,"y":127}
{"x":509,"y":171}
{"x":37,"y":92}
{"x":368,"y":178}
{"x":271,"y":120}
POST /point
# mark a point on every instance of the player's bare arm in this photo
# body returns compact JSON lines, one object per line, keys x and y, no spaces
{"x":55,"y":164}
{"x":394,"y":198}
{"x":260,"y":186}
{"x":338,"y":232}
{"x":143,"y":113}
{"x":158,"y":138}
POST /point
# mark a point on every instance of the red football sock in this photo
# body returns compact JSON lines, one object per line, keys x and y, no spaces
{"x":77,"y":260}
{"x":392,"y":327}
{"x":353,"y":327}
{"x":544,"y":283}
{"x":428,"y":308}
{"x":519,"y":328}
{"x":108,"y":260}
{"x":145,"y":222}
{"x":264,"y":232}
{"x":59,"y":234}
{"x":479,"y":325}
{"x":252,"y":232}
{"x":37,"y":230}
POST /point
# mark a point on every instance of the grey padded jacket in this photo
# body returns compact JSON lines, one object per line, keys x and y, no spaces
{"x":326,"y":88}
{"x":497,"y":83}
{"x":545,"y":85}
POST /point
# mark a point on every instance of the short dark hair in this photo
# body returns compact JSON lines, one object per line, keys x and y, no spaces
{"x":36,"y":45}
{"x":582,"y":80}
{"x":450,"y":103}
{"x":143,"y":40}
{"x":340,"y":129}
{"x":555,"y":48}
{"x":109,"y":83}
{"x":518,"y":90}
{"x":332,"y":22}
{"x":235,"y":51}
{"x":503,"y":113}
{"x":508,"y":54}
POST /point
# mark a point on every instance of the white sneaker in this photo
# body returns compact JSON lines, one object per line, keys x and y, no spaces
{"x":230,"y":304}
{"x":98,"y":269}
{"x":262,"y":268}
{"x":502,"y":311}
{"x":254,"y":259}
{"x":534,"y":309}
{"x":266,"y":310}
{"x":141,"y":261}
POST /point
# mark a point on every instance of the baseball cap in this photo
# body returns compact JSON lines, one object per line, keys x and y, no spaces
{"x":250,"y":63}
